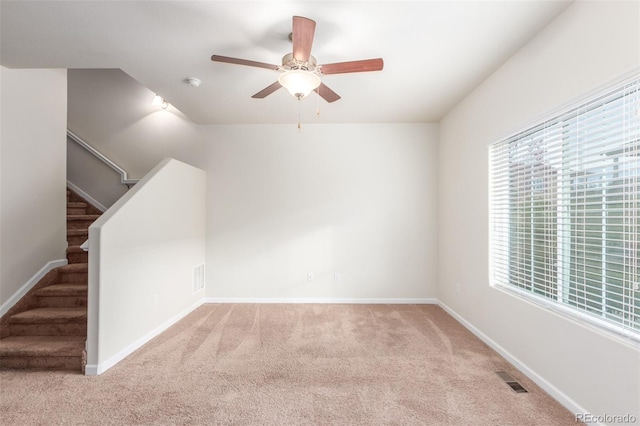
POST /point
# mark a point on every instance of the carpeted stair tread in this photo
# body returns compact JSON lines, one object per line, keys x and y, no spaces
{"x":42,"y":346}
{"x":77,"y":208}
{"x":73,"y":217}
{"x":76,"y":205}
{"x":74,"y":272}
{"x":50,"y":316}
{"x":81,"y":221}
{"x":75,"y":249}
{"x":77,"y":236}
{"x":64,"y":289}
{"x":74,"y":267}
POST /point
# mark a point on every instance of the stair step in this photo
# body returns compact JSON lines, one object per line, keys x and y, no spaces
{"x":76,"y":208}
{"x":81,"y":221}
{"x":62,"y":302}
{"x":77,"y":236}
{"x":75,"y":217}
{"x":62,"y":290}
{"x":75,"y":254}
{"x":42,"y":352}
{"x":76,"y":267}
{"x":74,"y":273}
{"x":62,"y":296}
{"x":50,"y":316}
{"x":42,"y":346}
{"x":49,"y":322}
{"x":67,"y":329}
{"x":76,"y":205}
{"x":75,"y":258}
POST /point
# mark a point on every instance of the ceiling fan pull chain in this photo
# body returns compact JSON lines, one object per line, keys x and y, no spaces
{"x":298,"y":113}
{"x":318,"y":103}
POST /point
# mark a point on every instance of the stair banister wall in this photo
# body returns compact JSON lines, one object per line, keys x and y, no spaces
{"x":142,"y":252}
{"x":93,"y":175}
{"x":124,"y":178}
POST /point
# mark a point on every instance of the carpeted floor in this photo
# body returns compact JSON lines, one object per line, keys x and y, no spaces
{"x":292,"y":365}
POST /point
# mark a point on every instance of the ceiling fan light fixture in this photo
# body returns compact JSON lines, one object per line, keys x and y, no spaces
{"x":299,"y":82}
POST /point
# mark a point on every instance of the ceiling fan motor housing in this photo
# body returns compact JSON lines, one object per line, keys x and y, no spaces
{"x":290,"y":63}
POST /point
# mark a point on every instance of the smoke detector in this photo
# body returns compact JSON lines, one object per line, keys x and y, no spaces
{"x":192,"y":81}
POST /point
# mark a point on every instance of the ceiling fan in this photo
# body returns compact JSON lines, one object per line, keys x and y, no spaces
{"x":300,"y":73}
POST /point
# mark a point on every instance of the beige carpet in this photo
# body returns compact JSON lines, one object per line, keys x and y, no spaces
{"x":292,"y":365}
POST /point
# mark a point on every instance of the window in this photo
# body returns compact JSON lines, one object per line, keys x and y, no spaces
{"x":564,"y":210}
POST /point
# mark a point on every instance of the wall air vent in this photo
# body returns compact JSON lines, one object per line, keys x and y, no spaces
{"x":198,"y":278}
{"x":513,"y":383}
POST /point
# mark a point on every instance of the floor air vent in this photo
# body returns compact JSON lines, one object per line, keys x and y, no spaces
{"x":198,"y":278}
{"x":513,"y":383}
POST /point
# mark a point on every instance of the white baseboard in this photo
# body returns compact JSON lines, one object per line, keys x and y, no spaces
{"x":554,"y":392}
{"x":86,"y":196}
{"x":366,"y":301}
{"x":19,"y":294}
{"x":101,"y":367}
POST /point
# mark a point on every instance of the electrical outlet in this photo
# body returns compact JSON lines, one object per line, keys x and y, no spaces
{"x":457,"y":288}
{"x":337,"y":276}
{"x":309,"y":276}
{"x":156,"y":300}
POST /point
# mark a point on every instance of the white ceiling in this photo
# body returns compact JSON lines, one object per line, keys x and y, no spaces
{"x":435,"y":52}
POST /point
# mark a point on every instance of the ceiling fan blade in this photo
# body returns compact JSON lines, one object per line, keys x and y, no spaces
{"x":228,"y":60}
{"x":302,"y":37}
{"x":352,"y":66}
{"x":267,"y":90}
{"x":326,"y":93}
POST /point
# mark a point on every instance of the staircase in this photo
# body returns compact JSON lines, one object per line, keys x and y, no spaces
{"x":47,"y":328}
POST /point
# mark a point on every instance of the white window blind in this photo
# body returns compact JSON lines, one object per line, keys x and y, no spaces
{"x":564,"y":211}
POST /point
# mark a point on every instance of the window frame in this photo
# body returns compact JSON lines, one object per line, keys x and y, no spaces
{"x":556,"y":304}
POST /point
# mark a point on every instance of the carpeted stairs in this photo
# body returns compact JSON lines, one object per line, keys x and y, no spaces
{"x":47,"y":328}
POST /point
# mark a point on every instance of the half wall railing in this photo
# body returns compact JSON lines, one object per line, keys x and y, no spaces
{"x":124,"y":179}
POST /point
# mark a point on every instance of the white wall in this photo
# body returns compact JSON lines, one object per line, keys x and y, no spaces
{"x":92,"y":176}
{"x":588,"y":44}
{"x":33,"y":169}
{"x":358,"y":200}
{"x":343,"y":200}
{"x":113,"y":113}
{"x":141,"y":257}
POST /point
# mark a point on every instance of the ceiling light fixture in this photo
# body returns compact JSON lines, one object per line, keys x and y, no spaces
{"x":299,"y":82}
{"x":160,"y":102}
